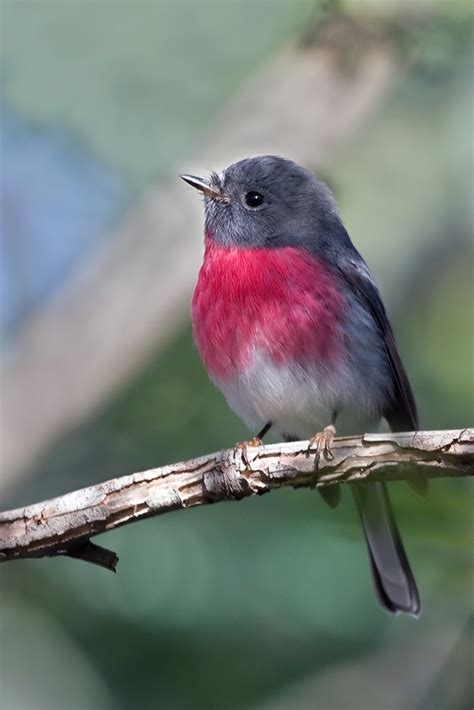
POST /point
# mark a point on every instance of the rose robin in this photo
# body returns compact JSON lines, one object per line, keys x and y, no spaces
{"x":291,"y":327}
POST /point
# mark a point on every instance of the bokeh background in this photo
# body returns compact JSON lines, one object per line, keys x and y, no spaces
{"x":264,"y":603}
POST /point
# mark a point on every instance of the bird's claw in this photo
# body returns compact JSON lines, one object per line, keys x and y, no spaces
{"x":321,"y":443}
{"x":251,"y":442}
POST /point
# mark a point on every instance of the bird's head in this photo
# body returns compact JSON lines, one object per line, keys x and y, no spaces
{"x":266,"y":201}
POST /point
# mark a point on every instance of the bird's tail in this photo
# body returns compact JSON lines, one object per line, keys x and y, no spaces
{"x":394,"y":582}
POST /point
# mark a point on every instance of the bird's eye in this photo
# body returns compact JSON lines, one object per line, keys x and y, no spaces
{"x":253,"y":199}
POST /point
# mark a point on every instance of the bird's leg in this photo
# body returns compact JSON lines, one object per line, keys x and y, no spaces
{"x":264,"y":431}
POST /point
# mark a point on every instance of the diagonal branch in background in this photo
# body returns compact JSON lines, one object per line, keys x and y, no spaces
{"x":64,"y":525}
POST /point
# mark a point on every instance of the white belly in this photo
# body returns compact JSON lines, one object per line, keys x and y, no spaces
{"x":299,"y":401}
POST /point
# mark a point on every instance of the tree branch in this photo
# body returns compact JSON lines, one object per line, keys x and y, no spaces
{"x":64,"y":525}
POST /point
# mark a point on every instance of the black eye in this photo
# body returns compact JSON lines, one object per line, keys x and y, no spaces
{"x":253,"y":199}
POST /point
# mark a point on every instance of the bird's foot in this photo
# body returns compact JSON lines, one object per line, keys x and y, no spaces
{"x":321,"y":444}
{"x":242,"y":446}
{"x":251,"y":442}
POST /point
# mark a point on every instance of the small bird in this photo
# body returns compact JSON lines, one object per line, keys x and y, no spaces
{"x":291,"y":327}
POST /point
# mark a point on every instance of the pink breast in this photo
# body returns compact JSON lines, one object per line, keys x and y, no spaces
{"x":282,"y":301}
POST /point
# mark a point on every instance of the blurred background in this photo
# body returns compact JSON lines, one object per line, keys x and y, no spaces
{"x":266,"y":603}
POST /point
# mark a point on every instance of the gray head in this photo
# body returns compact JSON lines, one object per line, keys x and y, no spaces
{"x":268,"y":201}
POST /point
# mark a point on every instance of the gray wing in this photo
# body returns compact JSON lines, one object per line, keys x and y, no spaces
{"x":401,"y":412}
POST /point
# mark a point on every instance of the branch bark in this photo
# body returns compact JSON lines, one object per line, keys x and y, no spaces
{"x":64,"y":525}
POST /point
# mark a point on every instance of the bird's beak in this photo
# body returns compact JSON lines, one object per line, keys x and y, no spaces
{"x":206,"y":187}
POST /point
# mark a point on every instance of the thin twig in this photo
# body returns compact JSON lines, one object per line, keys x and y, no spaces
{"x":64,"y":525}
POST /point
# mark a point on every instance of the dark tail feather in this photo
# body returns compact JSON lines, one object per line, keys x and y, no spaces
{"x":395,"y":584}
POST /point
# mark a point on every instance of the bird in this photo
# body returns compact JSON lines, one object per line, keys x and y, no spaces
{"x":291,"y":327}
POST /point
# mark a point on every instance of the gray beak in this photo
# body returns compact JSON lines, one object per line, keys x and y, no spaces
{"x":205,"y":187}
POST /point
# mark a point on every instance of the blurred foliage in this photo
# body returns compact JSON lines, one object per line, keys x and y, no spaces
{"x":228,"y":606}
{"x":138,"y":80}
